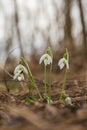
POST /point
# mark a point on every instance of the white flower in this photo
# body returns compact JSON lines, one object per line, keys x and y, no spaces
{"x":20,"y":68}
{"x":19,"y":76}
{"x":19,"y":72}
{"x":68,"y":101}
{"x":46,"y":58}
{"x":62,"y":62}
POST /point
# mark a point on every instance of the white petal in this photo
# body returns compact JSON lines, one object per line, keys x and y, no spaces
{"x":20,"y":68}
{"x":20,"y":77}
{"x":61,"y":63}
{"x":49,"y":60}
{"x":17,"y":69}
{"x":68,"y":100}
{"x":61,"y":66}
{"x":45,"y":62}
{"x":46,"y":58}
{"x":16,"y":75}
{"x":25,"y":70}
{"x":42,"y":58}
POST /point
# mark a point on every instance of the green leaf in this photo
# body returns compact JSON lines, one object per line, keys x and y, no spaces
{"x":29,"y":100}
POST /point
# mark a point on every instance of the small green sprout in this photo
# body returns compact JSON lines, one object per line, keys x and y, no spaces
{"x":64,"y":62}
{"x":29,"y":100}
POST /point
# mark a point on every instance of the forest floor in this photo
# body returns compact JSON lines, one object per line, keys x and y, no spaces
{"x":16,"y":114}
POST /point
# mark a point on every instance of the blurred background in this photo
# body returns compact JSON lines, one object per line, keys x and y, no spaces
{"x":28,"y":27}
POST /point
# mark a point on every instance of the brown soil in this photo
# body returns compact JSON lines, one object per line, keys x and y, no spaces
{"x":16,"y":114}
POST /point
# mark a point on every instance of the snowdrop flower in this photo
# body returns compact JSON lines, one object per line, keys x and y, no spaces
{"x":19,"y":76}
{"x":62,"y":62}
{"x":68,"y":101}
{"x":20,"y":68}
{"x":19,"y":72}
{"x":46,"y":58}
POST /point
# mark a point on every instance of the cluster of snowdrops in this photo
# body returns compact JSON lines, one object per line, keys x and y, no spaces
{"x":23,"y":69}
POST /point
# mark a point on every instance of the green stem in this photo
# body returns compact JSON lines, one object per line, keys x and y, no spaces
{"x":45,"y":89}
{"x":28,"y":68}
{"x":29,"y":88}
{"x":63,"y":86}
{"x":29,"y":73}
{"x":35,"y":86}
{"x":50,"y":82}
{"x":30,"y":76}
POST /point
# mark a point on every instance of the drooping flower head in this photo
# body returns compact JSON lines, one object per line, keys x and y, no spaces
{"x":19,"y":72}
{"x":64,"y":61}
{"x":46,"y":58}
{"x":19,"y":76}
